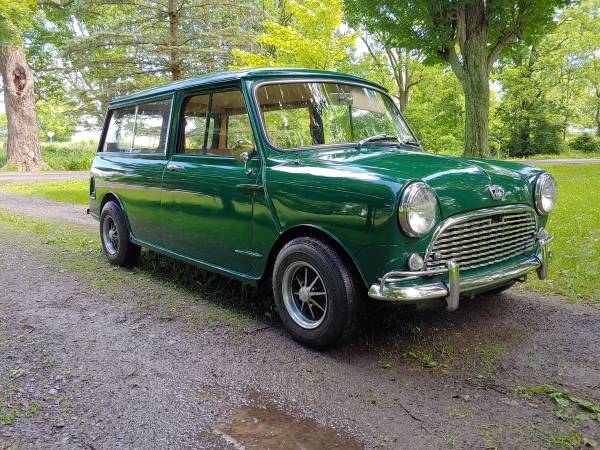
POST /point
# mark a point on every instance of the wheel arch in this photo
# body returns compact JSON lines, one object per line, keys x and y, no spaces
{"x":111,"y":196}
{"x":314,"y":232}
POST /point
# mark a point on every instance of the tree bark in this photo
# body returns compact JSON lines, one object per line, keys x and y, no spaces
{"x":472,"y":67}
{"x":23,"y":133}
{"x":473,"y":46}
{"x":175,"y":55}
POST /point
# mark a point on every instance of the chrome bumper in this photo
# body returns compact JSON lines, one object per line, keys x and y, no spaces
{"x":455,"y":285}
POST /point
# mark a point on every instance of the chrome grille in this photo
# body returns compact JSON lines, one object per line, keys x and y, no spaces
{"x":482,"y":238}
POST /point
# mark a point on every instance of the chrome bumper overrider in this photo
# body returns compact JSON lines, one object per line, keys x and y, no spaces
{"x":388,"y":289}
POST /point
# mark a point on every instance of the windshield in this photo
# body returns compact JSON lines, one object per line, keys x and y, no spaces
{"x":307,"y":114}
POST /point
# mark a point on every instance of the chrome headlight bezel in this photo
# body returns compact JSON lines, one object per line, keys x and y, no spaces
{"x":544,"y":192}
{"x":406,"y":209}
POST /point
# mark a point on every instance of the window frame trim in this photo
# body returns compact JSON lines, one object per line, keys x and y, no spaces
{"x":208,"y":90}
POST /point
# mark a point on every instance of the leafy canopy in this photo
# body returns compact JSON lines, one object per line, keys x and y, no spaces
{"x":15,"y":16}
{"x":312,"y":38}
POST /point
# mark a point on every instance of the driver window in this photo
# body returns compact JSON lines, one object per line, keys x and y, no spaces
{"x":216,"y":124}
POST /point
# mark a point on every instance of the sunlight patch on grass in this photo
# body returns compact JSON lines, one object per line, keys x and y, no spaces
{"x":66,"y":191}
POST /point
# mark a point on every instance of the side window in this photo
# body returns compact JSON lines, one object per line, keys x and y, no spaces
{"x":194,"y":125}
{"x":151,"y":127}
{"x":138,"y":129}
{"x":119,"y":135}
{"x":216,"y":124}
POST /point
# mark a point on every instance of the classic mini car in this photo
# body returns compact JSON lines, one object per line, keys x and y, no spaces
{"x":313,"y":182}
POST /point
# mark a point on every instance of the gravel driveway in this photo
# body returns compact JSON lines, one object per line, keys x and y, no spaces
{"x":87,"y":362}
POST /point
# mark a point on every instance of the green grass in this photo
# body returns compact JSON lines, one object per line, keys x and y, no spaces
{"x":568,"y":154}
{"x":66,"y":191}
{"x":574,"y":271}
{"x":64,"y":155}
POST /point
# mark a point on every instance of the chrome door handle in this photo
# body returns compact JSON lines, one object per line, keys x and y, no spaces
{"x":175,"y":168}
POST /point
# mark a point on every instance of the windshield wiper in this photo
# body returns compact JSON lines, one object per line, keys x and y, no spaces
{"x":411,"y":142}
{"x":377,"y":137}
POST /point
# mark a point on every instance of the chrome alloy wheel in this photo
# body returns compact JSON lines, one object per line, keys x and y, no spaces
{"x":304,"y":295}
{"x":110,"y":235}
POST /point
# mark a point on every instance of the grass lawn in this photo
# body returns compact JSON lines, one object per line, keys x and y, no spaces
{"x":66,"y":191}
{"x":574,"y":270}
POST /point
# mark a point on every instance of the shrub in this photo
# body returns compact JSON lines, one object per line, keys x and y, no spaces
{"x":69,"y":155}
{"x":586,"y":143}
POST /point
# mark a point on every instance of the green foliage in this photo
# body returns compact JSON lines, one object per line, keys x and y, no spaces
{"x":586,"y":143}
{"x":69,"y":155}
{"x":436,"y":112}
{"x":15,"y":17}
{"x":58,"y":118}
{"x":310,"y":37}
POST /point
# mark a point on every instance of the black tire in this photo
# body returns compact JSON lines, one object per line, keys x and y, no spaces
{"x":114,"y":236}
{"x":296,"y":264}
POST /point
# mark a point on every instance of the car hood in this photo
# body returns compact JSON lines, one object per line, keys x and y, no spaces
{"x":460,"y":184}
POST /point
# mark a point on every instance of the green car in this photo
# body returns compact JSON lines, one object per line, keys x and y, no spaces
{"x":314,"y":183}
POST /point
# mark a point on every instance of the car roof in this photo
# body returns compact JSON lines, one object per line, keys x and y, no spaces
{"x":221,"y":77}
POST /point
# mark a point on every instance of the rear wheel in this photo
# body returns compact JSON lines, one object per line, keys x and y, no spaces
{"x":316,"y":293}
{"x":114,"y":235}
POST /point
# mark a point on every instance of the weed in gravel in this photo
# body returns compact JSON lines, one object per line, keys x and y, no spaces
{"x":374,"y":396}
{"x":573,"y":408}
{"x":569,"y":440}
{"x":33,"y":409}
{"x":426,"y":359}
{"x":490,"y":353}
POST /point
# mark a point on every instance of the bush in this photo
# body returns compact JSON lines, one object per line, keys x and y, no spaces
{"x":586,"y":143}
{"x":69,"y":155}
{"x":64,"y":155}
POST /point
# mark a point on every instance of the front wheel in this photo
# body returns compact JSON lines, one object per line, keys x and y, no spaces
{"x":316,"y":293}
{"x":114,"y":235}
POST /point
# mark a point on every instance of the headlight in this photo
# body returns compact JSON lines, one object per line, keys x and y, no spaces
{"x":417,"y":209}
{"x":545,"y":193}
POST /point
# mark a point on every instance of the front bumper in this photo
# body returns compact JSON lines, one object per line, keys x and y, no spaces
{"x":389,"y":288}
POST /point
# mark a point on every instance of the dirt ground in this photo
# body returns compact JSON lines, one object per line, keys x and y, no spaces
{"x":89,"y":362}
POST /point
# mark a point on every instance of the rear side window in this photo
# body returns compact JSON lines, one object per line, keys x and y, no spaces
{"x":139,"y":129}
{"x":215,"y":124}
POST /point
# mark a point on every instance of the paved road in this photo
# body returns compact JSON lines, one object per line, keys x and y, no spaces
{"x":97,"y":357}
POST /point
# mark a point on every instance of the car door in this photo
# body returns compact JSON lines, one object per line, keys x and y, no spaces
{"x":132,"y":162}
{"x":208,"y":188}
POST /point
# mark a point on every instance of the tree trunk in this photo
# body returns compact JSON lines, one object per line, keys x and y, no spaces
{"x":475,"y":80}
{"x":477,"y":91}
{"x":174,"y":56}
{"x":23,"y":134}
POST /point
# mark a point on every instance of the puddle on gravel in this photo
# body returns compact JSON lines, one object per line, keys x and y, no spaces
{"x":257,"y":428}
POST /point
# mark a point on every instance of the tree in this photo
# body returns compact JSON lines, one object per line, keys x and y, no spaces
{"x":23,"y":145}
{"x":530,"y":116}
{"x":310,"y":36}
{"x":436,"y":111}
{"x":88,"y":54}
{"x":469,"y":35}
{"x":404,"y":64}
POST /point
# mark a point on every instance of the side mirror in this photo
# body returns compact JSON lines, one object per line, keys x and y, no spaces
{"x":246,"y":155}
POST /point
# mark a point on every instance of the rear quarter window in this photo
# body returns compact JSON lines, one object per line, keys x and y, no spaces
{"x":141,"y":128}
